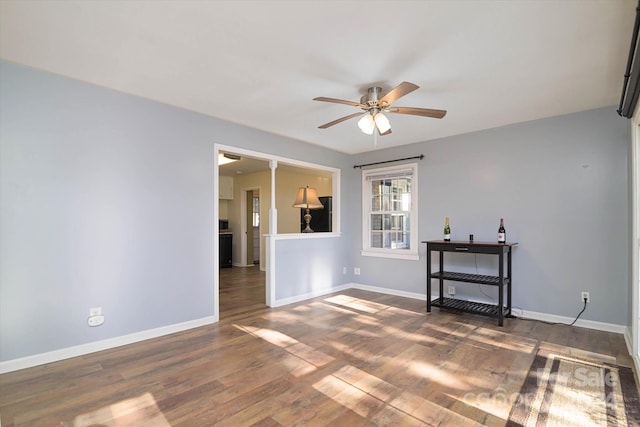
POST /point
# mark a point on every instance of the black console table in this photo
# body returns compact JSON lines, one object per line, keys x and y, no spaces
{"x":502,"y":280}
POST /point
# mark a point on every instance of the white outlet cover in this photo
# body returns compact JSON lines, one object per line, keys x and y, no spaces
{"x":95,"y":320}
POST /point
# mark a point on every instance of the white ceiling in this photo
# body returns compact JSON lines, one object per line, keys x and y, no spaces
{"x":260,"y":63}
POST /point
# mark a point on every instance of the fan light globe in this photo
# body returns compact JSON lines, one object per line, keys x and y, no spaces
{"x":366,"y":124}
{"x":382,"y":123}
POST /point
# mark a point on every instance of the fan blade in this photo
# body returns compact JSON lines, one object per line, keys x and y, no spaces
{"x":340,"y":120}
{"x":424,"y":112}
{"x":397,"y":92}
{"x":338,"y":101}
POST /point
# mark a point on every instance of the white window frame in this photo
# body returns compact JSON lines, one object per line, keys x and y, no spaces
{"x":391,"y":171}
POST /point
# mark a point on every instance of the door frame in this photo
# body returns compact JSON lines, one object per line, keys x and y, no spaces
{"x":269,"y":259}
{"x":243,"y":226}
{"x":634,"y":210}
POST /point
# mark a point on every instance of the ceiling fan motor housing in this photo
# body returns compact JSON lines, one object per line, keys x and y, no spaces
{"x":371,"y":99}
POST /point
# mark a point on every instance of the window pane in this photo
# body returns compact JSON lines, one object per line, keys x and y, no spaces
{"x":386,"y":222}
{"x":376,"y":239}
{"x":376,"y":187}
{"x":386,"y":240}
{"x":396,"y":240}
{"x":256,"y":212}
{"x":376,"y":203}
{"x":376,"y":222}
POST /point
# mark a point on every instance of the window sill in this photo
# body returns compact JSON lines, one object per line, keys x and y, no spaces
{"x":412,"y":256}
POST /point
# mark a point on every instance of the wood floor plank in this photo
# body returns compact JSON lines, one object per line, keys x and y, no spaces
{"x":353,"y":358}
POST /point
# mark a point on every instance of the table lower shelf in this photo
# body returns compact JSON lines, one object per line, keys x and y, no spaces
{"x":470,"y":278}
{"x":470,"y":307}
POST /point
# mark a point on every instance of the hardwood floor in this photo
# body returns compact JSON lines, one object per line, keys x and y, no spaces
{"x":242,"y":290}
{"x":347,"y":359}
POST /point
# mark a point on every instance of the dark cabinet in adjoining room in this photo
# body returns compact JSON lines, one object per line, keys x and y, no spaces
{"x":320,"y":218}
{"x":226,"y":240}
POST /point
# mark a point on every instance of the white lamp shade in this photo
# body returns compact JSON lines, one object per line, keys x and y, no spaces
{"x":307,"y":198}
{"x":382,"y":123}
{"x":366,"y":124}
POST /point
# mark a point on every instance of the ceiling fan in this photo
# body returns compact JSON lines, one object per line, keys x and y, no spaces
{"x":374,"y":106}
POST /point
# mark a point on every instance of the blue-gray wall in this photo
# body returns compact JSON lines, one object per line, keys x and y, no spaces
{"x":561,"y":184}
{"x":107,"y":200}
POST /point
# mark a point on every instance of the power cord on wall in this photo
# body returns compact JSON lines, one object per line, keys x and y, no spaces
{"x":479,"y":285}
{"x":557,"y":323}
{"x":524,"y":318}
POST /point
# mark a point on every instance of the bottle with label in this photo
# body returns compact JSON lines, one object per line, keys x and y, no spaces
{"x":447,"y":230}
{"x":502,"y":234}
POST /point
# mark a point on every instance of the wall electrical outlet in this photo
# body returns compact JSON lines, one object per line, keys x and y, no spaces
{"x":95,"y":320}
{"x":344,"y":270}
{"x":584,"y":296}
{"x":356,"y":271}
{"x":451,"y":290}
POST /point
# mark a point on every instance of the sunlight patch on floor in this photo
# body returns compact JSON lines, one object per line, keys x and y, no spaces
{"x":348,"y":396}
{"x":332,"y":308}
{"x":312,"y":357}
{"x":283,"y":316}
{"x":416,"y":337}
{"x":358,"y":353}
{"x":502,"y":340}
{"x":455,"y":331}
{"x":433,"y":373}
{"x":141,"y":411}
{"x":370,"y":384}
{"x":368,"y":320}
{"x":357,"y":303}
{"x":385,"y":404}
{"x":404,"y":312}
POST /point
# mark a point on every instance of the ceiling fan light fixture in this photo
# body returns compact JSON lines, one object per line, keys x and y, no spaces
{"x":374,"y":104}
{"x":382,"y":122}
{"x":367,"y":124}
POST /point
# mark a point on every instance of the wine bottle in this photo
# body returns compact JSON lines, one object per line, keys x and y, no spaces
{"x":502,"y":234}
{"x":447,"y":230}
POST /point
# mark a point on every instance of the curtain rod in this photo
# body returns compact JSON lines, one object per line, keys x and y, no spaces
{"x":630,"y":90}
{"x":421,"y":156}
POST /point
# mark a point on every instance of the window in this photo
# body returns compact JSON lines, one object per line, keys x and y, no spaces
{"x":256,"y":211}
{"x":389,"y":201}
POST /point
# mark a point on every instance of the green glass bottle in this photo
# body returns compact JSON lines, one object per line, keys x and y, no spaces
{"x":447,"y":230}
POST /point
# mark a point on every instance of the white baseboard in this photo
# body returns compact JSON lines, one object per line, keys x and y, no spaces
{"x":582,"y":323}
{"x":600,"y":326}
{"x":66,"y":353}
{"x":79,"y":350}
{"x":388,"y":291}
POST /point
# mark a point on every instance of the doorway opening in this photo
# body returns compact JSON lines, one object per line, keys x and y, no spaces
{"x":255,"y":196}
{"x":253,"y":236}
